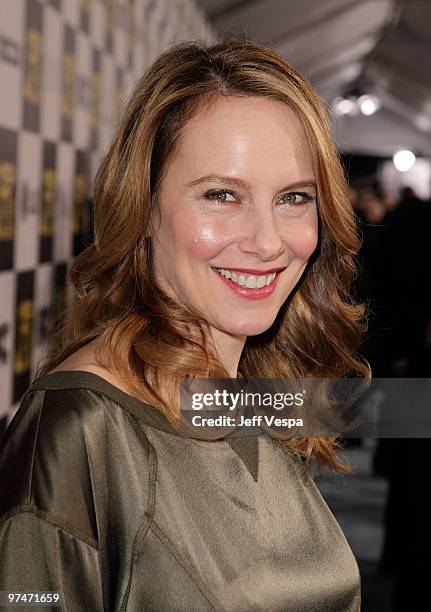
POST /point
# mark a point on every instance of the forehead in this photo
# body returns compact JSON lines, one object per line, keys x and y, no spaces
{"x":245,"y":133}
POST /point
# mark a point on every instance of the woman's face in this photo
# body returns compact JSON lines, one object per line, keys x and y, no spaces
{"x":235,"y":247}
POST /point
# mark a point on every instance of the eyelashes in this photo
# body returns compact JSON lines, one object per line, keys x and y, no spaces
{"x":303,"y":196}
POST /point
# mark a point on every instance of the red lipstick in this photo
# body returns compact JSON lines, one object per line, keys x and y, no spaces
{"x":255,"y":293}
{"x":254,"y":271}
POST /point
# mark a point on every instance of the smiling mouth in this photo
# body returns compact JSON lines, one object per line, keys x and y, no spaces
{"x":246,"y":280}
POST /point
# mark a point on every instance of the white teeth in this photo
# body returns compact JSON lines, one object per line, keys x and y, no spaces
{"x":251,"y":281}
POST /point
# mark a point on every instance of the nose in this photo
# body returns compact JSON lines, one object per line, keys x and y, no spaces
{"x":261,"y":235}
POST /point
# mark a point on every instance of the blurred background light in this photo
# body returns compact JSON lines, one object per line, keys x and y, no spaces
{"x":404,"y":160}
{"x":355,"y":103}
{"x":345,"y":106}
{"x":368,"y":104}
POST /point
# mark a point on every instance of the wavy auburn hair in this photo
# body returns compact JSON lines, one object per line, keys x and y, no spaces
{"x":148,"y":340}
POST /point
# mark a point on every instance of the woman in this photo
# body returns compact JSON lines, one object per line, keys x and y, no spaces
{"x":223,"y":247}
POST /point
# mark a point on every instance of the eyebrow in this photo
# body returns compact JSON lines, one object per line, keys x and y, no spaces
{"x":232,"y":180}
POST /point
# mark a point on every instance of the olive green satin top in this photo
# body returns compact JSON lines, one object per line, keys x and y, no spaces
{"x":102,"y":501}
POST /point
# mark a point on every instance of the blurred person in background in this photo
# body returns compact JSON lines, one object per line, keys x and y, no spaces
{"x":405,"y":462}
{"x":370,"y":284}
{"x":408,"y":271}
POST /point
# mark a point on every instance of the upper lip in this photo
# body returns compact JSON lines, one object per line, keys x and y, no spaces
{"x":253,"y":271}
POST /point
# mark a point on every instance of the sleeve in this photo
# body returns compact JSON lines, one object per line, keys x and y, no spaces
{"x":48,"y":532}
{"x":36,"y":555}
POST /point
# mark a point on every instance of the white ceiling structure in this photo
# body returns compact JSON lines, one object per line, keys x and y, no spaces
{"x":381,"y":46}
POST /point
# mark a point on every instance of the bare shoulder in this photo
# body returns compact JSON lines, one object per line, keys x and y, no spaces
{"x":84,"y":359}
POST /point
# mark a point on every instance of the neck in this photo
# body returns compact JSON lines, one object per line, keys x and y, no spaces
{"x":228,"y":350}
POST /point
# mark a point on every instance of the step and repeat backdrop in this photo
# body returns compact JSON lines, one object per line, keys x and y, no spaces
{"x":66,"y":69}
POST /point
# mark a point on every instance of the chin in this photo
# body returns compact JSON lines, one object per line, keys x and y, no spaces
{"x":248,"y":327}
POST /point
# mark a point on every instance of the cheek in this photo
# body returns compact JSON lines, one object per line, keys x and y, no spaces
{"x":302,"y":239}
{"x":204,"y":239}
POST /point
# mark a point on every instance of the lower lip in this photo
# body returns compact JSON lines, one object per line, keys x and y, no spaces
{"x":250,"y":294}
